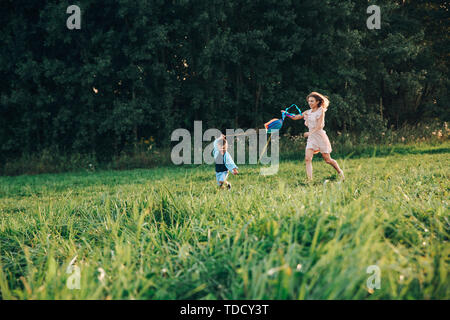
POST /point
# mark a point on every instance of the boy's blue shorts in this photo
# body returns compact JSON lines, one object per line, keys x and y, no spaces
{"x":221,"y":176}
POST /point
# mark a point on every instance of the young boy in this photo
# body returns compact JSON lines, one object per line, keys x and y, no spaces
{"x":223,"y":161}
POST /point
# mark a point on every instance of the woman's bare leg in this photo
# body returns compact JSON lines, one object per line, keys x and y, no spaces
{"x":332,"y":162}
{"x":308,"y":161}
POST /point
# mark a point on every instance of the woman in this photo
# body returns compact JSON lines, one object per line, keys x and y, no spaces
{"x":317,"y":138}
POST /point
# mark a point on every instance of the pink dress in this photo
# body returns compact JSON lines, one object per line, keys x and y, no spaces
{"x":318,"y":141}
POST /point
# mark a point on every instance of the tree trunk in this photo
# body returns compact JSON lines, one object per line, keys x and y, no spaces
{"x":381,"y":107}
{"x":257,"y":99}
{"x":135,"y":136}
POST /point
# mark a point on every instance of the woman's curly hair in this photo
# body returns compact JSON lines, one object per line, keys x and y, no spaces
{"x":323,"y":100}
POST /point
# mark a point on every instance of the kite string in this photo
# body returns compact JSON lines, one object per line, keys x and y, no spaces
{"x":244,"y":133}
{"x":283,"y":116}
{"x":264,"y":150}
{"x":240,"y":134}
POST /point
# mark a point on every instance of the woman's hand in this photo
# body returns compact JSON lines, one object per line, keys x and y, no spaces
{"x":306,"y":134}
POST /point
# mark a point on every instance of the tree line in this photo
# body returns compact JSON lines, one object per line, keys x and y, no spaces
{"x":140,"y":69}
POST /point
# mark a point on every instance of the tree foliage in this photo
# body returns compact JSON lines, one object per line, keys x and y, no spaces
{"x":144,"y":68}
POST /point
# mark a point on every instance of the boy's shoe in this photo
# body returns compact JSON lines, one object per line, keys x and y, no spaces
{"x":341,"y":174}
{"x":228,"y":185}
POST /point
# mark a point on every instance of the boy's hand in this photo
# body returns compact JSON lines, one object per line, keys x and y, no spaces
{"x":235,"y":172}
{"x":306,"y":134}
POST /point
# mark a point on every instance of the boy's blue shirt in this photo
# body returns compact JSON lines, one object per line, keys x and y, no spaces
{"x":229,"y":163}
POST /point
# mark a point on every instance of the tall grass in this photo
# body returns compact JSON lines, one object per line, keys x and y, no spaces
{"x":144,"y":154}
{"x":169,"y":233}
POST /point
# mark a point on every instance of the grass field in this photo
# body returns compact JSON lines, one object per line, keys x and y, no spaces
{"x":169,"y":233}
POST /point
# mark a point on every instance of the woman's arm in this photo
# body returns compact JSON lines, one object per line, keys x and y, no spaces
{"x":296,"y":117}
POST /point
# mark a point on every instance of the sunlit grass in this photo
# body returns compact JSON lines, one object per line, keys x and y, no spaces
{"x":169,"y":233}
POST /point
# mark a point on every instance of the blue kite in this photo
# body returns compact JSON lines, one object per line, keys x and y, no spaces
{"x":276,"y":124}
